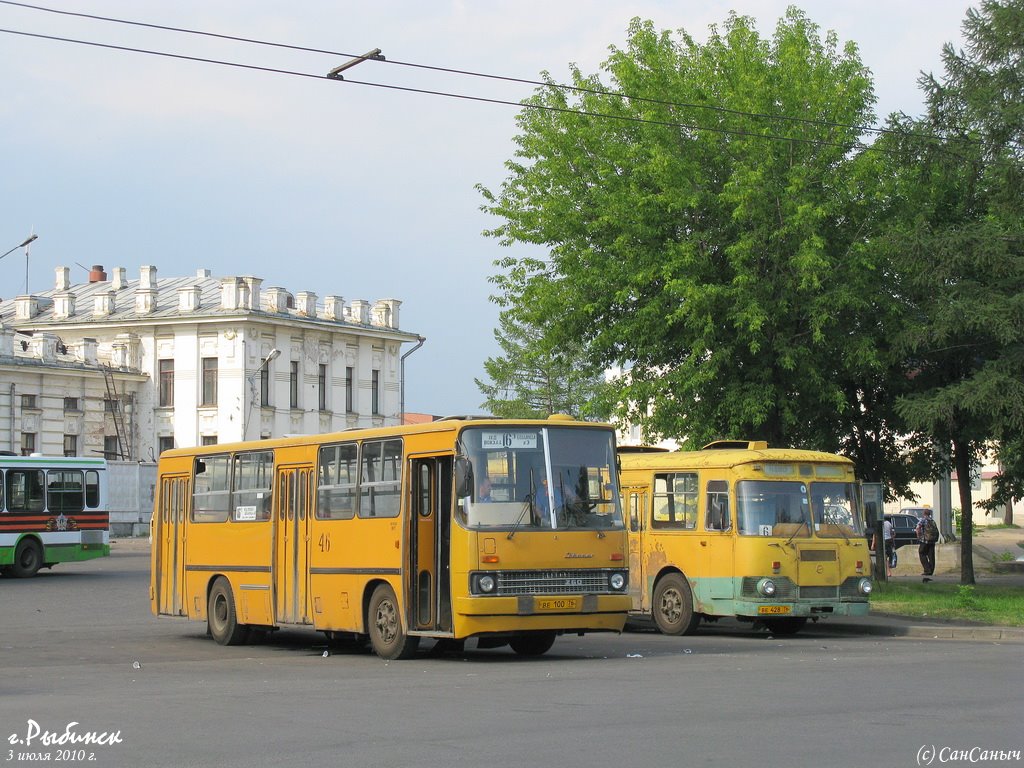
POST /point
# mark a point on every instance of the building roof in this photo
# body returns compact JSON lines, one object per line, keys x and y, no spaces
{"x":149,"y":298}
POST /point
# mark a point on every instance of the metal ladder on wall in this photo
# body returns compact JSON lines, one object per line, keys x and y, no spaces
{"x":124,"y":448}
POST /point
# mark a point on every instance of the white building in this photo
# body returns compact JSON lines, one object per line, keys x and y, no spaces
{"x":132,"y":367}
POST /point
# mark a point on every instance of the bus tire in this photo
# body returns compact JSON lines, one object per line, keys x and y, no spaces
{"x":28,"y":559}
{"x":384,"y":622}
{"x":221,"y":619}
{"x":533,"y":644}
{"x":787,"y":626}
{"x":672,"y":606}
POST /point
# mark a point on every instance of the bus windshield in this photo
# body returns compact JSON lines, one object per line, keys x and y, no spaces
{"x":541,"y":477}
{"x":773,"y":508}
{"x":837,"y":511}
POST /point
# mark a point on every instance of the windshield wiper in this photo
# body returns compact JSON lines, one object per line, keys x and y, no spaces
{"x":803,"y":523}
{"x":528,"y":509}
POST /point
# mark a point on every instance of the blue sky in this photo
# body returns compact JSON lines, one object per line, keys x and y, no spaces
{"x":126,"y":159}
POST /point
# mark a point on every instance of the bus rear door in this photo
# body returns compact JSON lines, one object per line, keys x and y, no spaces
{"x":635,"y":504}
{"x":170,"y":543}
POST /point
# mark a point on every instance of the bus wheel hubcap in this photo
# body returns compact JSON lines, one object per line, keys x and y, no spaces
{"x":671,"y":605}
{"x":386,"y":621}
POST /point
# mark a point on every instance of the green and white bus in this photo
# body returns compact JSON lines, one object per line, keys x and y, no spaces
{"x":52,"y":510}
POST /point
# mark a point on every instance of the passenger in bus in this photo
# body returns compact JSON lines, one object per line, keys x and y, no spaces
{"x":484,"y":494}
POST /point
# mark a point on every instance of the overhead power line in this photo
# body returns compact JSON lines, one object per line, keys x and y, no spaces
{"x":519,"y":104}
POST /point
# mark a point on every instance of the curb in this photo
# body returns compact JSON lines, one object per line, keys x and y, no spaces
{"x":924,"y":631}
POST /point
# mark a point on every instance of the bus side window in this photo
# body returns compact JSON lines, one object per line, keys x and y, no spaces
{"x":675,"y":501}
{"x":92,"y":488}
{"x":25,"y":490}
{"x":717,"y":515}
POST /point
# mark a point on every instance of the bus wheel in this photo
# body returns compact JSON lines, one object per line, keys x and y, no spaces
{"x":673,"y":606}
{"x":788,"y":626}
{"x":221,"y":618}
{"x":385,"y":624}
{"x":536,"y":644}
{"x":28,"y":559}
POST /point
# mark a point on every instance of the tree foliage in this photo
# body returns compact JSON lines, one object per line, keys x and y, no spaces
{"x":957,"y":241}
{"x":704,"y":233}
{"x":531,"y":381}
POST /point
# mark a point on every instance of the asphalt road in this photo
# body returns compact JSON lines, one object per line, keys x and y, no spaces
{"x":78,"y":645}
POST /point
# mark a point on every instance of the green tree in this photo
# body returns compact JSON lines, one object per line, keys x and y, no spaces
{"x":705,"y":233}
{"x":532,"y":381}
{"x":958,"y":245}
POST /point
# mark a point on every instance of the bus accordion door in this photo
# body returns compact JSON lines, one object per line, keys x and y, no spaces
{"x":169,"y":541}
{"x":291,"y":546}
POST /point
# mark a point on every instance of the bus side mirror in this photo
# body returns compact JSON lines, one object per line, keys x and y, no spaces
{"x":463,"y":477}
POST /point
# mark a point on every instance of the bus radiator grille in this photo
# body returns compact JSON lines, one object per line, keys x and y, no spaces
{"x":785,"y":589}
{"x":561,"y":582}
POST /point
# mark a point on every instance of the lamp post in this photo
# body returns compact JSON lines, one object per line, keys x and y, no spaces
{"x":253,"y":392}
{"x":24,"y":245}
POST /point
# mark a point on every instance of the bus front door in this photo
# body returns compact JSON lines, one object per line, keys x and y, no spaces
{"x":291,"y":545}
{"x":170,"y":544}
{"x":635,"y":504}
{"x":429,"y":574}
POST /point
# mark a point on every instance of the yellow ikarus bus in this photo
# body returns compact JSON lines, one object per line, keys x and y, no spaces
{"x":510,"y":532}
{"x":773,"y":536}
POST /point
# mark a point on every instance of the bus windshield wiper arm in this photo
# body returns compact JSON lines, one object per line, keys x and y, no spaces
{"x":527,"y":508}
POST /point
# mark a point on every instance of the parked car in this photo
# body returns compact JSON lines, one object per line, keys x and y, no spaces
{"x":904,"y":526}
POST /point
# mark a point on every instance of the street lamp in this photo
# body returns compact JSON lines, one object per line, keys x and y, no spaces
{"x":24,"y":245}
{"x":253,"y":393}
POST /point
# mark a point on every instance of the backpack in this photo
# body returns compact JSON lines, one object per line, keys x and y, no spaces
{"x":929,"y":530}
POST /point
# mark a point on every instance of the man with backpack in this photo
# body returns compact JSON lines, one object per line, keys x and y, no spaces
{"x":927,"y":536}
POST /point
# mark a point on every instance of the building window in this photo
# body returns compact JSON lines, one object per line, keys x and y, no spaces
{"x":321,"y":387}
{"x":165,"y":443}
{"x":265,"y":385}
{"x":28,"y":443}
{"x":71,"y":404}
{"x":209,"y":381}
{"x":70,"y":445}
{"x":208,"y":440}
{"x":28,"y":402}
{"x":166,"y":374}
{"x":350,"y":373}
{"x":293,"y":385}
{"x":376,"y":393}
{"x":109,"y":405}
{"x":111,"y":447}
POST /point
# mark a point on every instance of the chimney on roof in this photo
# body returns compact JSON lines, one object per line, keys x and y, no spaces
{"x":202,"y":273}
{"x":97,"y":275}
{"x":360,"y":311}
{"x":120,"y":279}
{"x":334,"y":308}
{"x":147,"y":277}
{"x":63,"y":278}
{"x":305,"y":303}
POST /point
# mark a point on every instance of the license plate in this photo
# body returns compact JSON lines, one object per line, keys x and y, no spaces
{"x":559,"y":604}
{"x":773,"y":609}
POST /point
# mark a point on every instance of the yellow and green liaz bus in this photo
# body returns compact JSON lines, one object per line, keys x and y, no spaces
{"x":773,"y":536}
{"x":509,"y":532}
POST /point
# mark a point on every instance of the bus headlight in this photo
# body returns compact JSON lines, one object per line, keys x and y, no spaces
{"x":485,"y":583}
{"x":766,"y":587}
{"x":865,"y":586}
{"x":617,"y":581}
